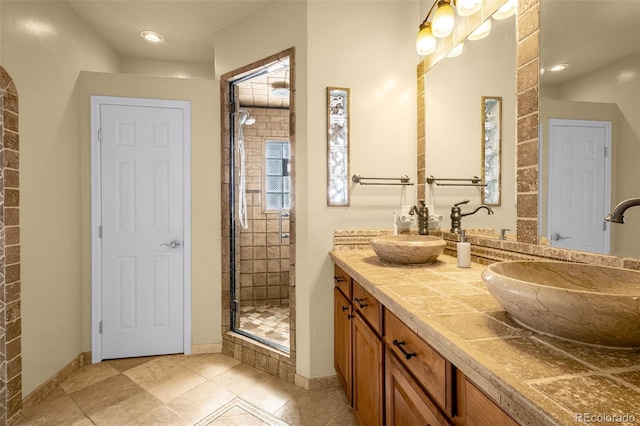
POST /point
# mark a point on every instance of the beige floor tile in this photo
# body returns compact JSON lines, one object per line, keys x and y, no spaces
{"x":57,"y":409}
{"x":309,"y":409}
{"x":126,"y":410}
{"x":344,"y":418}
{"x":208,"y":365}
{"x":175,"y":384}
{"x":201,"y":401}
{"x":335,"y":394}
{"x":116,"y":391}
{"x":125,"y":364}
{"x":239,"y":378}
{"x":270,"y":394}
{"x":88,"y":375}
{"x":151,"y":372}
{"x":161,"y":416}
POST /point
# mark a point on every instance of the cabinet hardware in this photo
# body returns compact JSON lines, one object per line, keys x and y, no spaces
{"x":359,"y":302}
{"x":338,"y":279}
{"x":407,"y":355}
{"x":349,"y":316}
{"x":344,"y":308}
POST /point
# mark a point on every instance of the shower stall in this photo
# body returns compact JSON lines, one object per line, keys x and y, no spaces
{"x":260,"y":204}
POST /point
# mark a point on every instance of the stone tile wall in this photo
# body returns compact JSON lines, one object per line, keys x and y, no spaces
{"x":264,"y":261}
{"x":10,"y":317}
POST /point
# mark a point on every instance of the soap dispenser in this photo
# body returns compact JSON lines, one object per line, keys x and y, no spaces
{"x":463,"y":249}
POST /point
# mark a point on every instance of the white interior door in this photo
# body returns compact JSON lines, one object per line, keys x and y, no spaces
{"x":142,"y":243}
{"x":579,"y":184}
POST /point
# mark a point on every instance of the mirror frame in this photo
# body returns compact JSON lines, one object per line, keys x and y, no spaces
{"x":527,"y":89}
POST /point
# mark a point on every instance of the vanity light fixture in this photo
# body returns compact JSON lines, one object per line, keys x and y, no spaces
{"x":456,"y":51}
{"x":151,"y":36}
{"x":443,"y":19}
{"x":426,"y":41}
{"x":506,"y":10}
{"x":481,"y":32}
{"x":557,"y":67}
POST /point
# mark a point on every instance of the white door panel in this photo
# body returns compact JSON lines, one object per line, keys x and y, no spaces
{"x":141,"y":154}
{"x":579,"y":185}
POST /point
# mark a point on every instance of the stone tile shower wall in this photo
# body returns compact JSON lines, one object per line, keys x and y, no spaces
{"x":264,"y":262}
{"x":10,"y":318}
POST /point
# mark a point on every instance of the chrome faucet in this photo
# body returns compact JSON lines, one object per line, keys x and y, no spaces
{"x":457,"y":215}
{"x":617,"y":215}
{"x":423,"y":218}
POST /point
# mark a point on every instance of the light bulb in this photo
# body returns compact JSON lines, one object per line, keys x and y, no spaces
{"x":456,"y":51}
{"x":425,"y":42}
{"x":468,"y":7}
{"x":443,"y":19}
{"x":506,"y":10}
{"x":482,"y":31}
{"x":151,"y":36}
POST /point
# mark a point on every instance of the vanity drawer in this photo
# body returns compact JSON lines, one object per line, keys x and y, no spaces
{"x":343,"y":281}
{"x":428,"y":367}
{"x":368,"y":307}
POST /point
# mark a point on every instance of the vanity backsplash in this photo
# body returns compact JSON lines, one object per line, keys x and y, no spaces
{"x":487,"y":248}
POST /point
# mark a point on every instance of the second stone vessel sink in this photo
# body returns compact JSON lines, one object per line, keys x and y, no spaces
{"x":408,"y":249}
{"x":590,"y":304}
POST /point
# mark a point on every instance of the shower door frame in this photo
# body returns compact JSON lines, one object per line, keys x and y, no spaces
{"x":234,"y":343}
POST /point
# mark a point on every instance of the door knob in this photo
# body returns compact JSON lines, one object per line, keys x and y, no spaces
{"x":558,"y":237}
{"x":172,"y":244}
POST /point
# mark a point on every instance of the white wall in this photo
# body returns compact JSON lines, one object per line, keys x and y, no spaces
{"x":617,"y":83}
{"x":453,"y":91}
{"x":156,"y":68}
{"x":368,"y":47}
{"x":44,"y":47}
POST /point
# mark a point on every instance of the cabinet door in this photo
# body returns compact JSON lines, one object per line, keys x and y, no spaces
{"x":342,"y":340}
{"x":367,"y":374}
{"x":406,"y":403}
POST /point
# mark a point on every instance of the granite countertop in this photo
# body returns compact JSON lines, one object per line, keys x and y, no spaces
{"x":537,"y":379}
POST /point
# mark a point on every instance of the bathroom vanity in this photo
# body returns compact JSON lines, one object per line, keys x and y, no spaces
{"x":427,"y":344}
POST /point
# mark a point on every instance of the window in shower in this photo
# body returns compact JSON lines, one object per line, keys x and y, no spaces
{"x":277,"y":172}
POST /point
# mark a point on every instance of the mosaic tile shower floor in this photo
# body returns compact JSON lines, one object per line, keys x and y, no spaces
{"x":269,"y":322}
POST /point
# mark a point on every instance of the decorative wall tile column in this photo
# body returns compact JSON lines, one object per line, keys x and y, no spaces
{"x":10,"y":317}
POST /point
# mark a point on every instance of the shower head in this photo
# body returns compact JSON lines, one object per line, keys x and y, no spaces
{"x":245,"y":118}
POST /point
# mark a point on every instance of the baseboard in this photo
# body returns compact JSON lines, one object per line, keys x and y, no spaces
{"x":209,"y":348}
{"x":45,"y":389}
{"x":315,"y":383}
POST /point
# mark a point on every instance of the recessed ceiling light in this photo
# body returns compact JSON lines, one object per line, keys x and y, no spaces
{"x":557,"y":67}
{"x":151,"y":36}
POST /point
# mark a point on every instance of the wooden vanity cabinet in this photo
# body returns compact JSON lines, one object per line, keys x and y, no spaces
{"x":474,"y":408}
{"x":342,"y":316}
{"x":391,"y":376}
{"x":406,"y":403}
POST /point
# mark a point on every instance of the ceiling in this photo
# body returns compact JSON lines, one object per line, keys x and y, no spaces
{"x":188,"y":28}
{"x":586,"y":34}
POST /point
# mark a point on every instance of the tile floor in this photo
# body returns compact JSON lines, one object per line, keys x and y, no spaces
{"x":266,"y":321}
{"x":207,"y":389}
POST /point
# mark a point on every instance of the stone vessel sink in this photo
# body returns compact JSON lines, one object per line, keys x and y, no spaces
{"x":590,"y":304}
{"x":408,"y":249}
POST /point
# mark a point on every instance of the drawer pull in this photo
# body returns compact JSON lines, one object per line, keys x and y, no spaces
{"x":338,"y":279}
{"x":349,"y":316}
{"x":344,"y":308}
{"x":359,"y":302}
{"x":407,"y":355}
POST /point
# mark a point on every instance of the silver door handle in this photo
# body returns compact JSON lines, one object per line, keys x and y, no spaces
{"x":558,"y":237}
{"x":172,"y":244}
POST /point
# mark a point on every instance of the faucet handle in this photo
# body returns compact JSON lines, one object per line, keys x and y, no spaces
{"x":503,"y":232}
{"x":461,"y":202}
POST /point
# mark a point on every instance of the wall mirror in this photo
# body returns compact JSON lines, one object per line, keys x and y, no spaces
{"x":599,"y":88}
{"x":454,"y":130}
{"x":491,"y":142}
